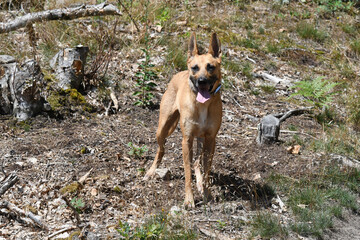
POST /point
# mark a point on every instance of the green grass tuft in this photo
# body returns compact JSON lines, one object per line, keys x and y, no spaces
{"x":268,"y":226}
{"x":309,"y":31}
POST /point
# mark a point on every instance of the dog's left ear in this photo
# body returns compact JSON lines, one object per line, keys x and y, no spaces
{"x":215,"y":46}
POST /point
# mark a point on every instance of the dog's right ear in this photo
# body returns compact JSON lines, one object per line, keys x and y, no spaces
{"x":193,"y":50}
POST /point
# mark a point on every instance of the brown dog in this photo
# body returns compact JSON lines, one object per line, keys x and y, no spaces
{"x":193,"y":97}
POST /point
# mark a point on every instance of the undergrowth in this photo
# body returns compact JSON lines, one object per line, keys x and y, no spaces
{"x":318,"y":198}
{"x":159,"y":226}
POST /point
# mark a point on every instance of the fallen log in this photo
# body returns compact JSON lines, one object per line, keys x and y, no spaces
{"x":60,"y":14}
{"x":30,"y":215}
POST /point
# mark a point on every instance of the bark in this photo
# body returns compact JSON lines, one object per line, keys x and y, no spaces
{"x":20,"y":87}
{"x":33,"y":217}
{"x":60,"y":14}
{"x":8,"y":183}
{"x":68,"y":65}
{"x":269,"y":126}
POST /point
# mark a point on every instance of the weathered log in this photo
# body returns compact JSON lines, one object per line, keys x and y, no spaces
{"x":68,"y":65}
{"x":20,"y":88}
{"x":8,"y":183}
{"x":60,"y":14}
{"x":269,"y":126}
{"x":33,"y":217}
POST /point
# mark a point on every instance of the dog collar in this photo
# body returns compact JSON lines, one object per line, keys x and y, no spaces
{"x":217,"y":89}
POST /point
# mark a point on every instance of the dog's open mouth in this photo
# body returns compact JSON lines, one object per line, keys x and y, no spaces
{"x":203,"y":94}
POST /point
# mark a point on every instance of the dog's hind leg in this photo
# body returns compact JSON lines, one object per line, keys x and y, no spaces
{"x":167,"y":125}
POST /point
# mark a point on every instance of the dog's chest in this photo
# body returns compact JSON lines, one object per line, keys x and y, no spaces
{"x":202,"y":118}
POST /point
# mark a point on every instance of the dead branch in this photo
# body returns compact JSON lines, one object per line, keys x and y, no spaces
{"x":60,"y":14}
{"x":77,"y":216}
{"x":8,"y":183}
{"x":2,"y":170}
{"x":128,"y":13}
{"x":295,"y":112}
{"x":61,"y":231}
{"x":30,"y":215}
{"x":271,"y":78}
{"x":345,"y":160}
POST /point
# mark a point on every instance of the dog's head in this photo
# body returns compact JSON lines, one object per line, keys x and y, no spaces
{"x":204,"y":69}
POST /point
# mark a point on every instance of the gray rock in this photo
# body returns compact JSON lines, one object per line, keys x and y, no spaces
{"x":163,"y":173}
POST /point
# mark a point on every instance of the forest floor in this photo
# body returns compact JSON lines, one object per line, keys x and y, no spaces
{"x":51,"y":154}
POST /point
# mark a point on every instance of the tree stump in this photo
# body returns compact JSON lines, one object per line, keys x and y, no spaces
{"x":20,"y":88}
{"x":68,"y":65}
{"x":268,"y":130}
{"x":269,"y":126}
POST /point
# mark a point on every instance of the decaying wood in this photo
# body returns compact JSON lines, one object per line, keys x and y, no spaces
{"x":68,"y":65}
{"x":8,"y":183}
{"x":30,"y":215}
{"x":114,"y":99}
{"x":271,"y":78}
{"x":345,"y":160}
{"x":269,"y":126}
{"x":60,"y":14}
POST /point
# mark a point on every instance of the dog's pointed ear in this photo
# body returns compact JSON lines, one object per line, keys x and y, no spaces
{"x":215,"y":46}
{"x":193,"y":50}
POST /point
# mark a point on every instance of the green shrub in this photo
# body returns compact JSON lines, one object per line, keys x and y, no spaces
{"x":319,"y":91}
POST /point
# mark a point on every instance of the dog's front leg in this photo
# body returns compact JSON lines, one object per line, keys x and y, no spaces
{"x":187,"y":149}
{"x":207,"y":157}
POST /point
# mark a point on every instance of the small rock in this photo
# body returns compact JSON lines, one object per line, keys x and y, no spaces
{"x":163,"y":173}
{"x":175,"y":210}
{"x":32,"y":160}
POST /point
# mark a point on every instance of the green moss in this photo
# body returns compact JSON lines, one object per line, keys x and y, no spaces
{"x":71,"y":188}
{"x":75,"y":95}
{"x":68,"y":100}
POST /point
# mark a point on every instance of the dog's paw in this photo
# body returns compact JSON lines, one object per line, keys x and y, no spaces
{"x":189,"y":205}
{"x":189,"y":201}
{"x":148,"y":175}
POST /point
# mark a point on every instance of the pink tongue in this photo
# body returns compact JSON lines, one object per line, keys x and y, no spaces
{"x":203,"y":96}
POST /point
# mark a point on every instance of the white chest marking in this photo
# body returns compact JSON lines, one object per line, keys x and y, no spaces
{"x":203,"y":117}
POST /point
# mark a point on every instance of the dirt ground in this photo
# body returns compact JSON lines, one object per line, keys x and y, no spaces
{"x":51,"y":154}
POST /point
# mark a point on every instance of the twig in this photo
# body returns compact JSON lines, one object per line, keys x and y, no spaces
{"x":61,"y":231}
{"x":8,"y":183}
{"x":33,"y":217}
{"x":128,"y":13}
{"x":77,"y":216}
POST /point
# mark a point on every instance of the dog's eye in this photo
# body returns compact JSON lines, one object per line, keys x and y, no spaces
{"x":195,"y":68}
{"x":210,"y":68}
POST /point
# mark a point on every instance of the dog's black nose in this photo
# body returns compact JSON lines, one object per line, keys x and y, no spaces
{"x":202,"y":80}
